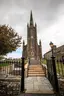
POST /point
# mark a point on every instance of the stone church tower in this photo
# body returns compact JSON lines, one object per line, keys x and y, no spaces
{"x":32,"y":50}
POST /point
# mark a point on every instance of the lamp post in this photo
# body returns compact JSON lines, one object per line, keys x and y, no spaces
{"x":54,"y":69}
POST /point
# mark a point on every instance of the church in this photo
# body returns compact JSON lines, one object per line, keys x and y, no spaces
{"x":32,"y":50}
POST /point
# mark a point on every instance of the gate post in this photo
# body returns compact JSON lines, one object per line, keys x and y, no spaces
{"x":22,"y":75}
{"x":55,"y":75}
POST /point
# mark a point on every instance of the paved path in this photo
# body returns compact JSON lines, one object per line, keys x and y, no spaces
{"x":38,"y":85}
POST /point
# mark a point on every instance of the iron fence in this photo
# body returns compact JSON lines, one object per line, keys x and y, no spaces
{"x":50,"y":72}
{"x":10,"y":68}
{"x":11,"y":77}
{"x":55,"y":70}
{"x":60,"y":68}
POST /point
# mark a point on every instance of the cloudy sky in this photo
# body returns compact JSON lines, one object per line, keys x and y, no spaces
{"x":48,"y":14}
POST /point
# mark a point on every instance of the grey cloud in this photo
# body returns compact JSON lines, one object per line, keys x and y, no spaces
{"x":45,"y":9}
{"x":16,"y":18}
{"x":45,"y":13}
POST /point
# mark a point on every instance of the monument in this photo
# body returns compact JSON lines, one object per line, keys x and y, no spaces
{"x":32,"y":50}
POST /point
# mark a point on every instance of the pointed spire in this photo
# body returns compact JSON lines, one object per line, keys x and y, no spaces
{"x":31,"y":18}
{"x":39,"y":42}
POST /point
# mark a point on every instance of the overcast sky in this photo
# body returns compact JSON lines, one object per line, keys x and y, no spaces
{"x":48,"y":14}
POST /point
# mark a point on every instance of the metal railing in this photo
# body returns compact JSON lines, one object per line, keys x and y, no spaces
{"x":10,"y":67}
{"x":60,"y":68}
{"x":55,"y":71}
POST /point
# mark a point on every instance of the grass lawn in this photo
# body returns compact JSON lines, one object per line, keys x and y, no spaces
{"x":4,"y":64}
{"x":44,"y":61}
{"x":60,"y":68}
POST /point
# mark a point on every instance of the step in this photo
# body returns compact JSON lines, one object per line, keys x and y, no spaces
{"x":31,"y":75}
{"x":36,"y":73}
{"x":36,"y":69}
{"x":35,"y":65}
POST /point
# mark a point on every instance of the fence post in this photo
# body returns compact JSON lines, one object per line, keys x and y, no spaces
{"x":22,"y":75}
{"x":55,"y":75}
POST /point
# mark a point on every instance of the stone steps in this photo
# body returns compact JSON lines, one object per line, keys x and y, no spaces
{"x":35,"y":70}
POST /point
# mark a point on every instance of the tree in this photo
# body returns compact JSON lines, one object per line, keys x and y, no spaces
{"x":9,"y":40}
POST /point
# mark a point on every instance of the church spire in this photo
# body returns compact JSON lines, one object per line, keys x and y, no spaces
{"x":31,"y":18}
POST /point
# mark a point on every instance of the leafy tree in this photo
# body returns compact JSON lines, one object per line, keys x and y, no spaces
{"x":9,"y":40}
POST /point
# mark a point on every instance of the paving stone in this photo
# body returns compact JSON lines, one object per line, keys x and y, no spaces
{"x":38,"y":85}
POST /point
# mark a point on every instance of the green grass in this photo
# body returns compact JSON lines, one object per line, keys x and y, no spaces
{"x":59,"y":68}
{"x":4,"y":64}
{"x":44,"y":61}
